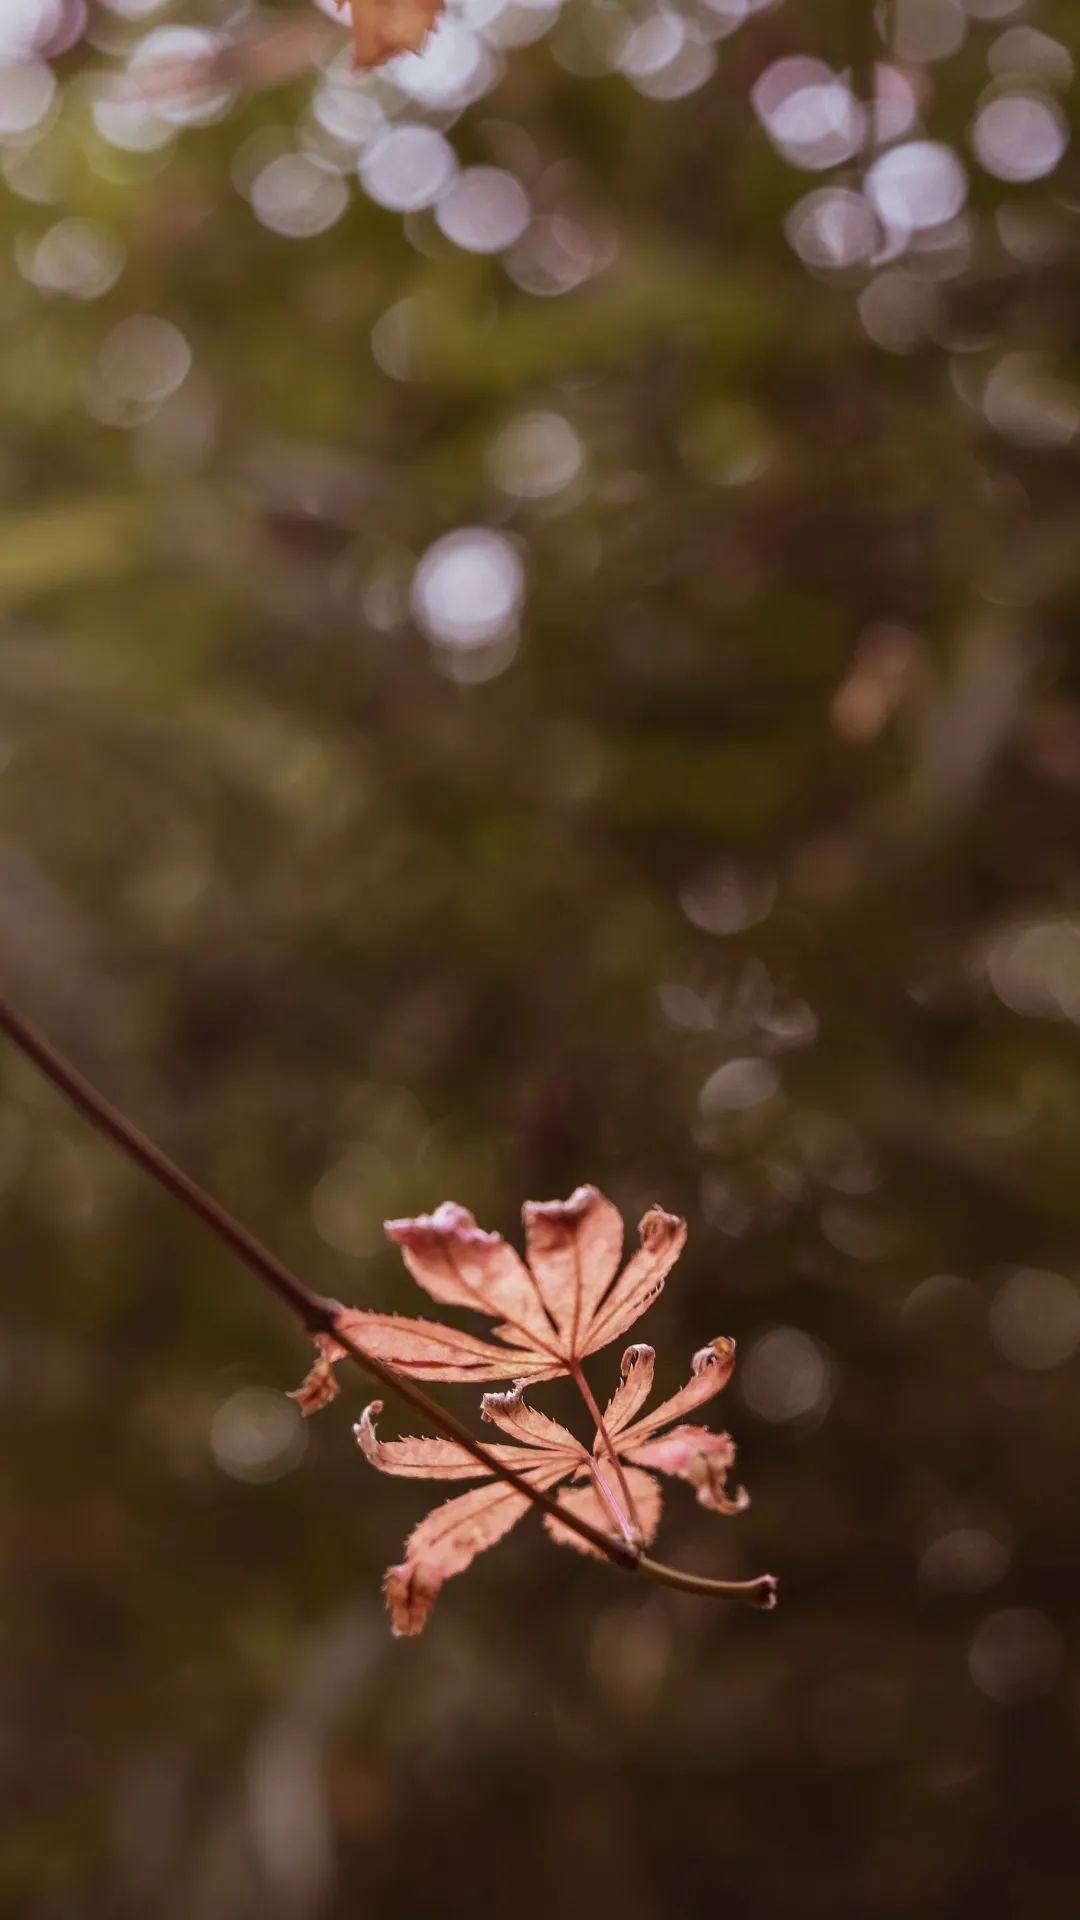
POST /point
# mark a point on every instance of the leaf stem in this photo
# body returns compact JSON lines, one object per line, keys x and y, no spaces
{"x":612,"y":1504}
{"x":761,"y":1593}
{"x":589,"y":1398}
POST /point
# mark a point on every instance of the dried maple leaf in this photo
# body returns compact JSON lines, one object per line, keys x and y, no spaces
{"x":451,"y":1536}
{"x":383,"y":28}
{"x":568,"y":1300}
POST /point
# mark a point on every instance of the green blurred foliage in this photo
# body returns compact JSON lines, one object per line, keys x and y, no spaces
{"x":737,"y":869}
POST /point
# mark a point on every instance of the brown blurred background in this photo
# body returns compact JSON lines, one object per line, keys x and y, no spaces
{"x":539,"y":594}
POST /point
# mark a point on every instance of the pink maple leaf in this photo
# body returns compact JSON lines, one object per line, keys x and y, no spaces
{"x":608,"y":1486}
{"x":563,"y":1302}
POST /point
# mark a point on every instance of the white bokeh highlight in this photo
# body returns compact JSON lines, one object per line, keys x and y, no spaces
{"x":1019,"y":136}
{"x":468,"y":588}
{"x":407,"y":168}
{"x":917,"y":185}
{"x":484,"y":210}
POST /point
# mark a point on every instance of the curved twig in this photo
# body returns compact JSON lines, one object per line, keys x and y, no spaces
{"x":761,"y":1593}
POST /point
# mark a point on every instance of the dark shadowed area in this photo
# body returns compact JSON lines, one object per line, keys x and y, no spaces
{"x":538,"y":608}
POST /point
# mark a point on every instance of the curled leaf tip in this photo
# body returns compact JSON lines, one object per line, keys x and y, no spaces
{"x":319,"y":1385}
{"x":717,"y":1500}
{"x":410,"y":1596}
{"x":636,"y":1356}
{"x":719,"y":1352}
{"x":364,"y":1432}
{"x":492,"y":1404}
{"x":657,"y":1226}
{"x":558,"y":1211}
{"x":448,"y":1222}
